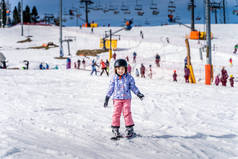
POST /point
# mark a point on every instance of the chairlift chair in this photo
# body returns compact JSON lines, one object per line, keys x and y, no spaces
{"x":123,"y":7}
{"x":171,"y":10}
{"x":153,"y":6}
{"x":235,"y":10}
{"x":140,"y":13}
{"x":127,"y":12}
{"x":155,"y":12}
{"x":198,"y":18}
{"x":81,"y":5}
{"x":105,"y":10}
{"x":138,"y":7}
{"x":116,"y":12}
{"x":111,"y":8}
{"x":100,"y":7}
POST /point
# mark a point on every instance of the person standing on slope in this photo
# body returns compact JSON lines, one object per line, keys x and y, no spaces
{"x":217,"y":80}
{"x":94,"y":67}
{"x":224,"y":76}
{"x":231,"y":80}
{"x":175,"y":76}
{"x":104,"y":67}
{"x":186,"y":74}
{"x":120,"y":87}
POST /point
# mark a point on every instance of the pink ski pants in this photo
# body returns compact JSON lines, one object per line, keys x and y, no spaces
{"x":124,"y":106}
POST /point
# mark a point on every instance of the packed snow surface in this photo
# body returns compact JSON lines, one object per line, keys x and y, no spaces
{"x":59,"y":114}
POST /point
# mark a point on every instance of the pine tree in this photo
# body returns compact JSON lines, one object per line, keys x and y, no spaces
{"x":34,"y":14}
{"x":15,"y":16}
{"x":27,"y":15}
{"x":4,"y":12}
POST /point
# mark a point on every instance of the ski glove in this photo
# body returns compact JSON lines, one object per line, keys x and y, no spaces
{"x":106,"y":101}
{"x":141,"y":96}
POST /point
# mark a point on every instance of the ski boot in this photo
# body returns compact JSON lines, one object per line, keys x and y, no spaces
{"x":129,"y":132}
{"x":116,"y":133}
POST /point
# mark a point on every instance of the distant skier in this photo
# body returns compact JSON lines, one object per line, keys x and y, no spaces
{"x":107,"y":64}
{"x":157,"y":60}
{"x":84,"y":64}
{"x":142,"y":71}
{"x":186,"y":74}
{"x":150,"y":71}
{"x":27,"y":64}
{"x":137,"y":73}
{"x":94,"y":65}
{"x":134,"y":57}
{"x":127,"y":58}
{"x":230,"y":61}
{"x":114,"y":56}
{"x":235,"y":49}
{"x":217,"y":80}
{"x":129,"y":68}
{"x":167,"y":39}
{"x":141,"y":35}
{"x":68,"y":63}
{"x":175,"y":76}
{"x":185,"y":61}
{"x":79,"y":63}
{"x":120,"y":87}
{"x":47,"y":66}
{"x":3,"y":64}
{"x":103,"y":67}
{"x":231,"y":80}
{"x":224,"y":76}
{"x":41,"y":67}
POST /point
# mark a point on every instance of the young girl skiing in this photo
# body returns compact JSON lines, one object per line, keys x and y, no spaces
{"x":120,"y":87}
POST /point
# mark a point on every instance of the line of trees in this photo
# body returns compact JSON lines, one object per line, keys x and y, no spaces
{"x":3,"y":14}
{"x":29,"y":15}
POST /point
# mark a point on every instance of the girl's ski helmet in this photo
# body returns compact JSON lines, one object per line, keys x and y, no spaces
{"x":120,"y":62}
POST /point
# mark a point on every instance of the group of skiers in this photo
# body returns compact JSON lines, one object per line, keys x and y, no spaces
{"x":142,"y":71}
{"x":186,"y":75}
{"x":44,"y":66}
{"x":224,"y":77}
{"x":77,"y":64}
{"x":104,"y":67}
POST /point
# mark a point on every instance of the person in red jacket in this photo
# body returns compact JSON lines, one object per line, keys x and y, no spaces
{"x":175,"y":76}
{"x":224,"y":76}
{"x":103,"y":67}
{"x":231,"y":80}
{"x":114,"y":56}
{"x":142,"y":71}
{"x":127,"y":58}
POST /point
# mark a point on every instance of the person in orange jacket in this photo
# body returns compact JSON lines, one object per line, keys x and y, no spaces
{"x":103,"y":67}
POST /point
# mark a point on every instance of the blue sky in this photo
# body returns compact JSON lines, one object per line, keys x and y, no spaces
{"x":52,"y":6}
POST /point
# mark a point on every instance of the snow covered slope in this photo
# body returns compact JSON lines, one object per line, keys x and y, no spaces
{"x":59,"y":113}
